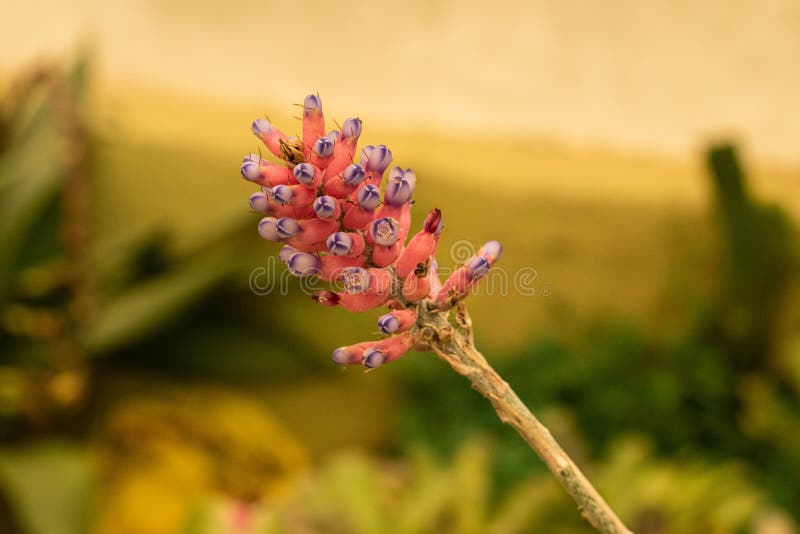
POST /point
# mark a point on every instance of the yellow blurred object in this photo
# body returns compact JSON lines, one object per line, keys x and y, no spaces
{"x":160,"y":460}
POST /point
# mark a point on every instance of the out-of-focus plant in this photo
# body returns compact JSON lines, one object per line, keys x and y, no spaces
{"x":70,"y":302}
{"x":168,"y":454}
{"x":758,"y":264}
{"x":65,"y":298}
{"x":327,"y":212}
{"x":357,"y":494}
{"x":713,"y":389}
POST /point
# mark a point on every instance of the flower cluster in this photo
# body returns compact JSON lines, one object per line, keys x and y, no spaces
{"x":328,"y":213}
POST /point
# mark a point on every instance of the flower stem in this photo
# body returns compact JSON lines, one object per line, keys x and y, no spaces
{"x":455,"y":346}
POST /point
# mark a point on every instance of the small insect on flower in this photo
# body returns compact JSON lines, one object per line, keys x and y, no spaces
{"x":335,"y":225}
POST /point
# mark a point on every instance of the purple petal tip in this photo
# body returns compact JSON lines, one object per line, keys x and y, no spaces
{"x":323,"y":147}
{"x":384,"y":231}
{"x":373,"y":358}
{"x":312,"y":103}
{"x":354,"y":174}
{"x":260,"y":126}
{"x":339,"y":243}
{"x":249,"y":171}
{"x":369,"y":197}
{"x":259,"y":202}
{"x":303,"y":264}
{"x":287,"y":227}
{"x":340,"y":356}
{"x":388,"y":324}
{"x":282,"y":194}
{"x":477,"y":267}
{"x":324,"y":206}
{"x":304,"y":173}
{"x":351,"y":128}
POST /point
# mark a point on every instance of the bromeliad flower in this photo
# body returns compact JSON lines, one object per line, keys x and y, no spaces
{"x":334,"y":223}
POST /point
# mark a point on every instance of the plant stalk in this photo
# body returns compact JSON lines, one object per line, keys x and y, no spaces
{"x":456,"y":347}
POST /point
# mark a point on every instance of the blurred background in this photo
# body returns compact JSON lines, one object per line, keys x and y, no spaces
{"x":638,"y":160}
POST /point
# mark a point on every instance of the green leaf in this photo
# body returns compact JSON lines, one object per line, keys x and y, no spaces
{"x":48,"y":486}
{"x":31,"y":180}
{"x":147,"y":307}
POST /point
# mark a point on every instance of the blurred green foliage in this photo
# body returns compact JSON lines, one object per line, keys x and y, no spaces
{"x":721,"y":387}
{"x":134,"y":373}
{"x":356,"y":494}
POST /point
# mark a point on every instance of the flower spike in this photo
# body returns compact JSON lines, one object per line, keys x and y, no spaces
{"x":336,"y":224}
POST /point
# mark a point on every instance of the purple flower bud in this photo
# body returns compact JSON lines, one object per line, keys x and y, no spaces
{"x":477,"y":267}
{"x":286,"y":252}
{"x":255,"y":158}
{"x":261,"y":126}
{"x":373,"y":358}
{"x":384,"y":231}
{"x":378,"y":159}
{"x":324,"y":147}
{"x":304,"y":172}
{"x":400,"y":186}
{"x":355,"y":280}
{"x":282,"y":194}
{"x":339,"y":243}
{"x":351,"y":128}
{"x":341,"y":356}
{"x":268,"y":229}
{"x":433,"y":222}
{"x":354,"y":174}
{"x":365,"y":153}
{"x":304,"y":264}
{"x":492,"y":250}
{"x":369,"y":197}
{"x":250,"y":171}
{"x":388,"y":324}
{"x":333,"y":134}
{"x":259,"y":202}
{"x":325,"y":206}
{"x":312,"y":103}
{"x":286,"y":227}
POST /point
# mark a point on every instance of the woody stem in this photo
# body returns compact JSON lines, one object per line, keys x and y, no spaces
{"x":457,"y":349}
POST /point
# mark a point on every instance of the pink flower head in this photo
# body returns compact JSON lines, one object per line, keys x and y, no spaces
{"x":337,"y":225}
